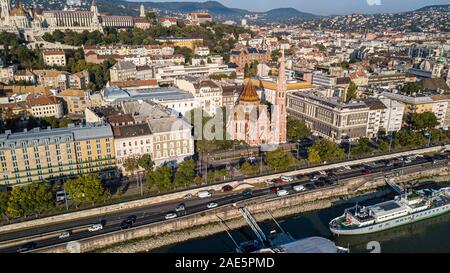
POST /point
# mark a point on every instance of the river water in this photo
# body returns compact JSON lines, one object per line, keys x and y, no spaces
{"x":432,"y":235}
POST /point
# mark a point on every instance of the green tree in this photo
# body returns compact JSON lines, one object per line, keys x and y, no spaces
{"x":410,"y":139}
{"x":146,"y":162}
{"x":275,"y":54}
{"x":31,"y":199}
{"x":411,"y":88}
{"x":49,"y":121}
{"x":87,"y":188}
{"x":249,"y":169}
{"x":161,"y":178}
{"x":425,"y":120}
{"x":351,"y":92}
{"x":131,"y":165}
{"x":279,"y":159}
{"x":185,"y":174}
{"x":297,"y":130}
{"x":383,"y":145}
{"x":4,"y":198}
{"x":327,"y":150}
{"x":362,"y":148}
{"x":313,"y":156}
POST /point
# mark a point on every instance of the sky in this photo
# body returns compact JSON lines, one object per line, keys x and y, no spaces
{"x":324,"y":7}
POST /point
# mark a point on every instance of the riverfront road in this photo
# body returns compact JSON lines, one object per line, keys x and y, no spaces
{"x":48,"y":235}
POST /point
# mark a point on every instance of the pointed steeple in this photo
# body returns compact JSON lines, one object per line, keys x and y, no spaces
{"x":281,"y":83}
{"x":249,"y":93}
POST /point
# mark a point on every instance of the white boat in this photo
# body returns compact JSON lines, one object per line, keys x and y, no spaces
{"x":404,"y":209}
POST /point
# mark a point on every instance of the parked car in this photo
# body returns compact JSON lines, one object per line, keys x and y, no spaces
{"x":171,"y":215}
{"x":282,"y":192}
{"x":26,"y":247}
{"x":212,"y":205}
{"x":188,"y":196}
{"x":180,"y":207}
{"x":132,"y":218}
{"x":275,"y":189}
{"x":247,"y":193}
{"x":310,"y":186}
{"x":227,"y":188}
{"x":299,"y":188}
{"x":65,"y":234}
{"x":203,"y":194}
{"x":61,"y":196}
{"x":126,"y":224}
{"x":286,"y":178}
{"x":300,"y":176}
{"x":278,"y":181}
{"x":323,"y":173}
{"x":365,"y":172}
{"x":95,"y":227}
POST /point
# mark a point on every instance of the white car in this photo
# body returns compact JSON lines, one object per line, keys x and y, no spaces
{"x":323,"y":173}
{"x":286,"y":178}
{"x":95,"y":227}
{"x":299,"y":188}
{"x":212,"y":205}
{"x":171,"y":216}
{"x":282,"y":192}
{"x":64,"y":235}
{"x":347,"y":167}
{"x":203,"y":194}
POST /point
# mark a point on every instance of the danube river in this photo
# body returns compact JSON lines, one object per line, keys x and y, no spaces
{"x":430,"y":235}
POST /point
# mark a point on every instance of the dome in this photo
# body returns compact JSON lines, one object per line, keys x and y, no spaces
{"x":249,"y":93}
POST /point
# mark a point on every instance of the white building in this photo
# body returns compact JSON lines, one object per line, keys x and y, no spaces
{"x":54,"y":57}
{"x":207,"y":94}
{"x":394,"y":114}
{"x":202,"y":51}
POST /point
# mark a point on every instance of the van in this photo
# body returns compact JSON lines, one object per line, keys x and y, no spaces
{"x":61,"y":196}
{"x":282,"y":192}
{"x":203,"y":194}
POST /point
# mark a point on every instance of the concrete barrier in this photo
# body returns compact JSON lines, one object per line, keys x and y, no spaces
{"x":179,"y":195}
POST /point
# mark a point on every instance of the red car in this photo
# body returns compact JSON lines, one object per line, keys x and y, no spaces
{"x":278,"y":181}
{"x":227,"y":188}
{"x":365,"y":172}
{"x":275,"y":189}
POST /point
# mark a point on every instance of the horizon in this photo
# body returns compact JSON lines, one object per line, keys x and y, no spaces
{"x":324,"y":7}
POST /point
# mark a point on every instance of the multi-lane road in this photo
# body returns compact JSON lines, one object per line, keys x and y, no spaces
{"x":48,"y":235}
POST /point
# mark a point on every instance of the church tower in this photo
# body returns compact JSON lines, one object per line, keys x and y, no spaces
{"x":94,"y":7}
{"x":6,"y":10}
{"x":279,"y":115}
{"x":142,"y":13}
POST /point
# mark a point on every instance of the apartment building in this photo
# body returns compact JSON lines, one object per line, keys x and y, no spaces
{"x":122,"y":71}
{"x":394,"y":115}
{"x":45,"y":106}
{"x":438,"y":104}
{"x":207,"y":94}
{"x":328,"y":117}
{"x":376,"y":116}
{"x":54,"y":57}
{"x":53,"y":154}
{"x":75,"y":99}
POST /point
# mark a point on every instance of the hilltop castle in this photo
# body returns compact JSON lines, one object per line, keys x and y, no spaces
{"x":35,"y":22}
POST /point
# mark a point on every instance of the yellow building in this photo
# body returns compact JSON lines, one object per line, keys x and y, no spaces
{"x":54,"y":154}
{"x":182,"y":42}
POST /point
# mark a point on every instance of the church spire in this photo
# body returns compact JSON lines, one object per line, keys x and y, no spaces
{"x":279,"y":118}
{"x":142,"y":13}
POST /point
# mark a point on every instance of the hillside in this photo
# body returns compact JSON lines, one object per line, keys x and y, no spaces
{"x":216,"y":9}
